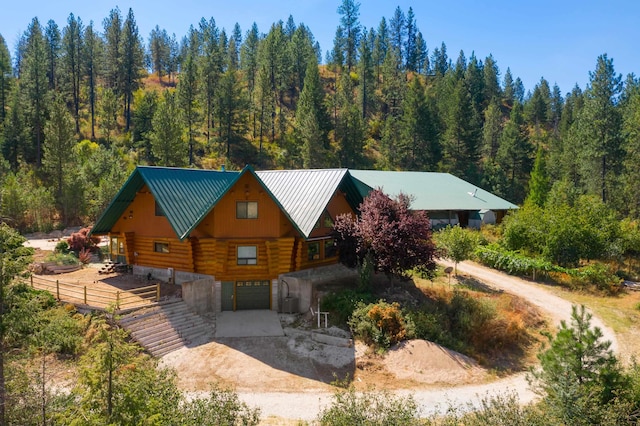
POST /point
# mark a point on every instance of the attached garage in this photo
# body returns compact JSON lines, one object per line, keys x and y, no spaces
{"x":246,"y":295}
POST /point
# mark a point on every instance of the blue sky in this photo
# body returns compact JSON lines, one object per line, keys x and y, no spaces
{"x":559,"y":40}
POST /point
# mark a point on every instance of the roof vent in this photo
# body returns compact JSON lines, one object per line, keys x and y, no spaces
{"x":473,"y":194}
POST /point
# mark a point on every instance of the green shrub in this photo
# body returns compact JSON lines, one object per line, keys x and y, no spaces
{"x":512,"y":262}
{"x":59,"y":331}
{"x":62,"y":259}
{"x":343,"y":303}
{"x":380,"y":324}
{"x":62,"y":247}
{"x":369,"y":408}
{"x":598,"y":275}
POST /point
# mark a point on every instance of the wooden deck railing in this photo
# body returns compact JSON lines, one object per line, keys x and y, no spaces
{"x":96,"y":297}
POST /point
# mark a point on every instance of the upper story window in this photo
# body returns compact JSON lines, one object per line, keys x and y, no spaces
{"x":247,"y":255}
{"x":324,"y":221}
{"x":246,"y":209}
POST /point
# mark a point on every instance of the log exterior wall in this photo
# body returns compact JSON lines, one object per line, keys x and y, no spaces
{"x":212,"y":247}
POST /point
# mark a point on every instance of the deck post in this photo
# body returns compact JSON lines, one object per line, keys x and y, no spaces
{"x":118,"y":299}
{"x":158,"y":292}
{"x":58,"y":289}
{"x":85,"y":295}
{"x":31,"y":279}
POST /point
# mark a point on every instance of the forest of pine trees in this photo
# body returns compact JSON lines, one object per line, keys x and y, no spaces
{"x":82,"y":104}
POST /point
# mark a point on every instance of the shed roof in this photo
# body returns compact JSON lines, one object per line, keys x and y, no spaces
{"x":433,"y":191}
{"x":305,"y":194}
{"x":185,"y":195}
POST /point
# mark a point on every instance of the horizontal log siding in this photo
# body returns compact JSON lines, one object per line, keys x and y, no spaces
{"x":219,"y":258}
{"x":180,"y":256}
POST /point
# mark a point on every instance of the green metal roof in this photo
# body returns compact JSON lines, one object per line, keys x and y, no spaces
{"x":305,"y":194}
{"x":185,"y":195}
{"x":433,"y":191}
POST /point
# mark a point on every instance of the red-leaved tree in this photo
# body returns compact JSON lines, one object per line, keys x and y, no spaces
{"x":395,"y":237}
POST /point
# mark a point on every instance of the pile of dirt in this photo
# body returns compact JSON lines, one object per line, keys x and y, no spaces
{"x":429,"y":363}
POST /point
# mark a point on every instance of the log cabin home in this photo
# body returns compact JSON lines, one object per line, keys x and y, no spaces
{"x":244,"y":228}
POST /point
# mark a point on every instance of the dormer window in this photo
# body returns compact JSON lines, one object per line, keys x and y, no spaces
{"x":246,"y":209}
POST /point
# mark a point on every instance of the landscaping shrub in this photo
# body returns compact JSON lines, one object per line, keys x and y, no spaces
{"x":370,"y":408}
{"x":380,"y":324}
{"x":62,"y":247}
{"x":62,"y":259}
{"x":343,"y":303}
{"x":601,"y":276}
{"x":81,"y":240}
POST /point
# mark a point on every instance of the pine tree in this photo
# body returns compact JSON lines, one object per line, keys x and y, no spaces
{"x":16,"y":145}
{"x":187,"y":101}
{"x":6,"y":79}
{"x":52,"y":34}
{"x":167,"y":143}
{"x":410,"y":47}
{"x":313,"y":120}
{"x":422,"y":55}
{"x":232,"y":101}
{"x":491,"y":87}
{"x":132,"y":62}
{"x":380,"y":48}
{"x":108,"y":107}
{"x":599,"y":131}
{"x":440,"y":61}
{"x":72,"y":48}
{"x":508,"y":87}
{"x":159,"y":51}
{"x":92,"y":69}
{"x":366,"y":92}
{"x":35,"y":84}
{"x":539,"y":184}
{"x":210,"y":65}
{"x":349,"y":132}
{"x":58,"y":146}
{"x":249,"y":65}
{"x":491,"y":130}
{"x":398,"y":34}
{"x":349,"y":12}
{"x":514,"y":154}
{"x":113,"y":50}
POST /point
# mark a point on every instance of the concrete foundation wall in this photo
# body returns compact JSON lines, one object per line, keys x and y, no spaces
{"x":200,"y":295}
{"x":168,"y":275}
{"x":301,"y":284}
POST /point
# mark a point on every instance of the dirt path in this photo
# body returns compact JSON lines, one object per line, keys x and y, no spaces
{"x":307,"y":405}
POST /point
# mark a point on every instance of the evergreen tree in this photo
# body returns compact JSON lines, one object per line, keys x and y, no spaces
{"x":92,"y":68}
{"x":508,"y":87}
{"x":598,"y":128}
{"x":398,"y":33}
{"x":380,"y":48}
{"x":113,"y":50}
{"x":233,"y":107}
{"x":58,"y":161}
{"x":514,"y":154}
{"x":167,"y":143}
{"x":491,"y":130}
{"x":72,"y":48}
{"x":349,"y":132}
{"x":6,"y":78}
{"x":631,"y":175}
{"x":249,"y":65}
{"x":366,"y":92}
{"x":16,"y":147}
{"x":349,"y":12}
{"x":35,"y":84}
{"x":539,"y":184}
{"x":52,"y":35}
{"x":440,"y":61}
{"x":313,"y":120}
{"x":417,"y":139}
{"x":422,"y":55}
{"x":132,"y":62}
{"x":491,"y":87}
{"x":187,"y":102}
{"x":518,"y":90}
{"x":145,"y":107}
{"x":210,"y":65}
{"x":410,"y":47}
{"x":159,"y":51}
{"x":108,"y":107}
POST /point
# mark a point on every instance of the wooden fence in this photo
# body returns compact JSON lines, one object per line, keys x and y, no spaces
{"x":97,"y":298}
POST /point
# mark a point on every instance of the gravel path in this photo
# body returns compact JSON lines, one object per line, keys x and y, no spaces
{"x":306,"y":406}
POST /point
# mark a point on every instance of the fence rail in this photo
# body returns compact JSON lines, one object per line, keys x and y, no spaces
{"x":97,"y":298}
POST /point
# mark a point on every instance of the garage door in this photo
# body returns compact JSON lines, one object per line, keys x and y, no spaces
{"x":253,"y":295}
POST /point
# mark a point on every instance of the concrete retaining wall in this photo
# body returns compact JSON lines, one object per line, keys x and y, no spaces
{"x":200,"y":295}
{"x":168,"y":275}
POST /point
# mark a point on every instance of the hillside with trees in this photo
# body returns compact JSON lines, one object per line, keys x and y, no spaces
{"x":82,"y":103}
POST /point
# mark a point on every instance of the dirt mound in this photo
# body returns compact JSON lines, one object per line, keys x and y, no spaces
{"x":429,"y":363}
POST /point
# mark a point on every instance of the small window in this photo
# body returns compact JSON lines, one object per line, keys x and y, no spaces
{"x":246,"y":209}
{"x":161,"y":247}
{"x":159,"y":211}
{"x":313,"y":251}
{"x":247,"y":255}
{"x":330,"y":248}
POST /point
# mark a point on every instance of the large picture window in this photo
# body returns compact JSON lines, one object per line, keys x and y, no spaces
{"x":246,"y":209}
{"x":247,"y":255}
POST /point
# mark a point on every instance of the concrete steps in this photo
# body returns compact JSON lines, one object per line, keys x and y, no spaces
{"x":166,"y":328}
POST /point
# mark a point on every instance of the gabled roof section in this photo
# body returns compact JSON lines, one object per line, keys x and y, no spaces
{"x":433,"y":191}
{"x":185,"y":195}
{"x":304,"y":194}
